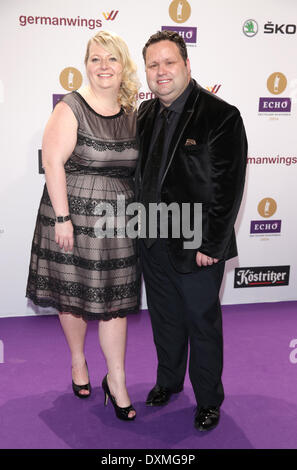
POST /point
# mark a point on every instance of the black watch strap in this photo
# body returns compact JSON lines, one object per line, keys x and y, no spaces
{"x":60,"y":218}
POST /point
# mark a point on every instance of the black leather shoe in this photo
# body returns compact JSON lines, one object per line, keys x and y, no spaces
{"x":207,"y":418}
{"x":121,"y":413}
{"x":78,"y":388}
{"x":159,"y":396}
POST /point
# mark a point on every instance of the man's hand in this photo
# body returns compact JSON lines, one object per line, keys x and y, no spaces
{"x":204,"y":260}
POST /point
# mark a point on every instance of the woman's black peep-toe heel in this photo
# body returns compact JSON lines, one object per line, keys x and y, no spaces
{"x":77,"y":388}
{"x":121,"y":413}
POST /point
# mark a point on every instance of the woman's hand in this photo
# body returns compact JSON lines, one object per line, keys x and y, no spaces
{"x":64,"y":235}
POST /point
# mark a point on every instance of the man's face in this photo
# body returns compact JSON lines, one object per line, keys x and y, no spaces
{"x":166,"y":72}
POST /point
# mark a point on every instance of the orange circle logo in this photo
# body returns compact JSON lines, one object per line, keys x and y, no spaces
{"x":71,"y":79}
{"x":276,"y":83}
{"x":179,"y":11}
{"x":267,"y":207}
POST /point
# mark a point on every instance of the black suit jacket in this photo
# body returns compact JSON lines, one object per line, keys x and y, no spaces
{"x":210,"y":171}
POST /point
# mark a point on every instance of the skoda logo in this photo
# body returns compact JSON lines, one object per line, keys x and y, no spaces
{"x":250,"y":28}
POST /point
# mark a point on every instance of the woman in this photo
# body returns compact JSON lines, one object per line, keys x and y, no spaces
{"x":89,"y":154}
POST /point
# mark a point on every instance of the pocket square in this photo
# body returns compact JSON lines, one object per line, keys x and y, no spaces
{"x":190,"y":142}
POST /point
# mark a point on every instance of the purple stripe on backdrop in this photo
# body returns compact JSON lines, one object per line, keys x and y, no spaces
{"x":39,"y":410}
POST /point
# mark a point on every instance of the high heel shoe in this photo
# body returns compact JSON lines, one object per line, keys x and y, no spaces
{"x":121,"y":413}
{"x":77,"y":388}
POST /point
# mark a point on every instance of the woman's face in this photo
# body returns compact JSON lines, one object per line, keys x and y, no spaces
{"x":103,"y":69}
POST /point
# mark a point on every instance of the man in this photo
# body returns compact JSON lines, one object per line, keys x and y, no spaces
{"x":198,"y":157}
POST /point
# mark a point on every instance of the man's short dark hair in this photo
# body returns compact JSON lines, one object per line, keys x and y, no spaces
{"x":167,"y":36}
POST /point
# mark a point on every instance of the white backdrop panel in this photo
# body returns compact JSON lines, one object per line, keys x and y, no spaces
{"x":32,"y":57}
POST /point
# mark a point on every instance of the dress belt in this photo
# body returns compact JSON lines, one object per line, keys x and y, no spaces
{"x":113,"y":172}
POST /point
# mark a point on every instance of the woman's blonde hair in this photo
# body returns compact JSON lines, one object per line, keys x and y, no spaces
{"x":115,"y":45}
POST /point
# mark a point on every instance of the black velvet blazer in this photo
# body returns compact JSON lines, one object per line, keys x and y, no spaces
{"x":206,"y":163}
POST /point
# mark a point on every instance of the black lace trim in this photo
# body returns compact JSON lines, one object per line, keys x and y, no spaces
{"x":76,"y":289}
{"x":62,"y":307}
{"x":86,"y":206}
{"x":72,"y":260}
{"x":114,"y":172}
{"x":102,"y":146}
{"x":83,"y":230}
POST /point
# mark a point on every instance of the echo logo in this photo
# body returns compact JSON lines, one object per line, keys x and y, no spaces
{"x":276,"y":84}
{"x":71,"y":79}
{"x":267,"y":207}
{"x":179,"y":11}
{"x":293,"y":354}
{"x":1,"y":352}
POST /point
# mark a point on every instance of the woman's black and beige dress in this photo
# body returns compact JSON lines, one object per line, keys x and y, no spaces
{"x":99,"y":279}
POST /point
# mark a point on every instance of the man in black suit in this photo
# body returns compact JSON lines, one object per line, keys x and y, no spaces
{"x":193,"y":149}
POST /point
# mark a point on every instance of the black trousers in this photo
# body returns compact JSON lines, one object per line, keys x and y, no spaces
{"x":185,"y":311}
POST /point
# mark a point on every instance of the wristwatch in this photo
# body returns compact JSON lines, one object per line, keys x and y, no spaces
{"x":60,"y":218}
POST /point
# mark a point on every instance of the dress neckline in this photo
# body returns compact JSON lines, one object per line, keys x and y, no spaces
{"x":93,"y":110}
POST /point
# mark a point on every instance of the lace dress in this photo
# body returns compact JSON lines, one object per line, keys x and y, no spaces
{"x":99,"y":279}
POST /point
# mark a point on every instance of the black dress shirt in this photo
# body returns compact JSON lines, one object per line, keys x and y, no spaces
{"x":151,"y":190}
{"x":174,"y":113}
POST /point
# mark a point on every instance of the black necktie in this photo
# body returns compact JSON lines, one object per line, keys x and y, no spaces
{"x":153,"y":163}
{"x":151,"y":172}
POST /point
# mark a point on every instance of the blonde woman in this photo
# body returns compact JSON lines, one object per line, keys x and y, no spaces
{"x":89,"y":155}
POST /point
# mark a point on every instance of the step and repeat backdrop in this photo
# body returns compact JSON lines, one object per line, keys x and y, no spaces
{"x":244,"y":51}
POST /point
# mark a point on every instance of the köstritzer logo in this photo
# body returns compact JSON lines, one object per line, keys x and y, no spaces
{"x":110,"y":16}
{"x":250,"y":28}
{"x":262,"y":276}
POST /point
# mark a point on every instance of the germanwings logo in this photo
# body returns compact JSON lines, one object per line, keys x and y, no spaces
{"x":110,"y":16}
{"x":213,"y":89}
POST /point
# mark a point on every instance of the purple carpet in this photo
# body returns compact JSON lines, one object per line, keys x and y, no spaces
{"x":39,"y":411}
